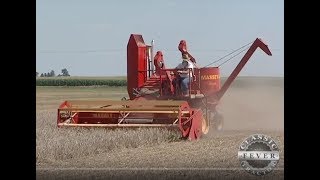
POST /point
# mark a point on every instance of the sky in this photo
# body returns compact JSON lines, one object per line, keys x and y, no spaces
{"x":89,"y":37}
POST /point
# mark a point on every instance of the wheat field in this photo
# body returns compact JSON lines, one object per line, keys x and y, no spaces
{"x":251,"y":105}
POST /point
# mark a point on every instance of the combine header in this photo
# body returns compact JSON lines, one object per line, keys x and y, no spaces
{"x":155,"y":97}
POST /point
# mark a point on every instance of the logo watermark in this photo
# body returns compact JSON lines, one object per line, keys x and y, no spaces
{"x":258,"y":154}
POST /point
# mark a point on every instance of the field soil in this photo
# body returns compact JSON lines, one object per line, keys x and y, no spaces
{"x":251,"y":105}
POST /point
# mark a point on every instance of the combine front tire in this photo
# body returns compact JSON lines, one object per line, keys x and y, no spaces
{"x":205,"y":125}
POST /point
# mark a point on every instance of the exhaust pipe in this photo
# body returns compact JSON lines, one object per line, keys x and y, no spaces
{"x":150,"y":59}
{"x":152,"y":56}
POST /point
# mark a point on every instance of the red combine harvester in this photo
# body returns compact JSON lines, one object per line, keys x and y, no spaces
{"x":155,"y":99}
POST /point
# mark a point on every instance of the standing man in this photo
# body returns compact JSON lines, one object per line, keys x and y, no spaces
{"x":185,"y":73}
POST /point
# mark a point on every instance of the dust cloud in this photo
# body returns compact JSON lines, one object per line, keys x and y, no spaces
{"x":254,"y":105}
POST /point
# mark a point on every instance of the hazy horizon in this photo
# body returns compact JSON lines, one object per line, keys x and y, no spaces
{"x":241,"y":76}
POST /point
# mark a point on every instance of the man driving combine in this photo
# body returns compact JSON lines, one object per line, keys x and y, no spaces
{"x":185,"y":74}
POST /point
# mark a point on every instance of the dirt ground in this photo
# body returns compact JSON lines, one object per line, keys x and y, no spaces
{"x":250,"y":106}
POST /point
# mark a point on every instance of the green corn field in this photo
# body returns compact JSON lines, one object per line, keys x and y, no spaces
{"x":82,"y":81}
{"x":122,"y":81}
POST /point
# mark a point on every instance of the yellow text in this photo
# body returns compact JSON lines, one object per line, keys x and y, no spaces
{"x":210,"y":77}
{"x":101,"y":115}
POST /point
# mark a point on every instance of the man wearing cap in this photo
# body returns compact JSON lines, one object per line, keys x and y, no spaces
{"x":185,"y":75}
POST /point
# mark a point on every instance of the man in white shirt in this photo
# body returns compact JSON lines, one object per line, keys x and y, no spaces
{"x":185,"y":74}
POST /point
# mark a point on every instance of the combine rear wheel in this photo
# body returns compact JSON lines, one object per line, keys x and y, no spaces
{"x":217,"y":121}
{"x":214,"y":119}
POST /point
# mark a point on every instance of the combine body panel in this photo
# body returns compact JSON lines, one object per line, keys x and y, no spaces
{"x":155,"y":96}
{"x":136,"y":63}
{"x":209,"y":78}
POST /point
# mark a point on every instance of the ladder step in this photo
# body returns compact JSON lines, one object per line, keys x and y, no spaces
{"x":150,"y":86}
{"x":152,"y":81}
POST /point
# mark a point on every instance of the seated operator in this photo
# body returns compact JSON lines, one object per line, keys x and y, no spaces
{"x":185,"y":75}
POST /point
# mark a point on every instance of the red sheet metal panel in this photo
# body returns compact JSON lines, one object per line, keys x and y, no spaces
{"x":136,"y":63}
{"x":209,"y":80}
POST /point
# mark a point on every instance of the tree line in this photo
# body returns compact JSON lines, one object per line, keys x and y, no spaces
{"x":64,"y":72}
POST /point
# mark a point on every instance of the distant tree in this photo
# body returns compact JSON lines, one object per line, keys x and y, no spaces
{"x":41,"y":75}
{"x":45,"y":75}
{"x":65,"y":72}
{"x":37,"y":74}
{"x":51,"y":73}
